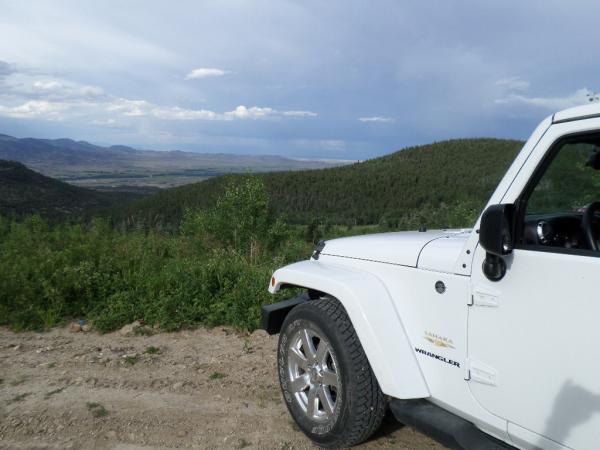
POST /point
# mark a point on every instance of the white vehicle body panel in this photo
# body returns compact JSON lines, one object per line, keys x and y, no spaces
{"x":547,"y":317}
{"x":440,"y":255}
{"x":374,"y":317}
{"x":383,"y":247}
{"x":577,"y":112}
{"x":541,"y":340}
{"x":516,"y":357}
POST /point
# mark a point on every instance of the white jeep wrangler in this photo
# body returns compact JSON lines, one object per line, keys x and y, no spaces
{"x":483,"y":338}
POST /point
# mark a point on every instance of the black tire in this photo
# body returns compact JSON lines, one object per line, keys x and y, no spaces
{"x":359,"y":402}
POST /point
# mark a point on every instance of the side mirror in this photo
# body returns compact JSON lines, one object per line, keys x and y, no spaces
{"x":495,"y":230}
{"x":496,"y":237}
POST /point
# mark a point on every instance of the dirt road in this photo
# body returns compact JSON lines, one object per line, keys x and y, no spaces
{"x":193,"y":389}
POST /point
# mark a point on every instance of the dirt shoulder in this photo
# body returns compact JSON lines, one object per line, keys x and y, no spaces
{"x":194,"y":389}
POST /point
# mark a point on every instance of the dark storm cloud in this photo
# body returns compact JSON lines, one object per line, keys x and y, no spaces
{"x":303,"y":78}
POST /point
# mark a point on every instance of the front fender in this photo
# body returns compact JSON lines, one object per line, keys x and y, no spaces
{"x":374,"y":317}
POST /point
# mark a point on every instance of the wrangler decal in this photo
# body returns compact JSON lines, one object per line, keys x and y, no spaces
{"x":438,"y":357}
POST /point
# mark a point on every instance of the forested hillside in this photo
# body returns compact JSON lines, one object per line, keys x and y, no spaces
{"x":441,"y":184}
{"x":24,"y":192}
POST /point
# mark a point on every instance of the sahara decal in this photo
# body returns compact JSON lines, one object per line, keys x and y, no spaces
{"x":438,"y":341}
{"x":438,"y":357}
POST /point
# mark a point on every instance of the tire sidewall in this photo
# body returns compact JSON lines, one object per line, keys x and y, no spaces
{"x":304,"y":316}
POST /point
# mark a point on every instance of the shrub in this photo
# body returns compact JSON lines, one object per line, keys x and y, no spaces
{"x":215,"y":271}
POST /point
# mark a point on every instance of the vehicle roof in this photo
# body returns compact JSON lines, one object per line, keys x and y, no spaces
{"x":577,"y":113}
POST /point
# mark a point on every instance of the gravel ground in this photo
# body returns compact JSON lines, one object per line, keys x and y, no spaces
{"x":193,"y":389}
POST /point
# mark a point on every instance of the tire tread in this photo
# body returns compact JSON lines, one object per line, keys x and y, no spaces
{"x":370,"y":406}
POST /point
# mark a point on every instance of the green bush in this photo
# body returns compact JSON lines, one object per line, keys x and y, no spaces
{"x":215,"y":271}
{"x":241,"y":220}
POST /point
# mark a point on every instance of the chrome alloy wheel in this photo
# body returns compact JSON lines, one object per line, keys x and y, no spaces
{"x":312,"y":374}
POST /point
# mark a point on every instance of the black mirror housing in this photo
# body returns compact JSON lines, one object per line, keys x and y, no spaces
{"x":496,"y":229}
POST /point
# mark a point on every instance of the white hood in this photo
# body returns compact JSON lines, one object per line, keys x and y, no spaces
{"x":401,"y":248}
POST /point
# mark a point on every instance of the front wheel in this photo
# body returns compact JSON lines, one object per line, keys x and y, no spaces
{"x":326,"y":380}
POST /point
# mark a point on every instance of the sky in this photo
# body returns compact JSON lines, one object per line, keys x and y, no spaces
{"x":307,"y":79}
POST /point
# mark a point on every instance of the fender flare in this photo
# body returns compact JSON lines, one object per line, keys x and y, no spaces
{"x":374,"y":317}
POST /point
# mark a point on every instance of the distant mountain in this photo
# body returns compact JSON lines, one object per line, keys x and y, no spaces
{"x":425,"y":185}
{"x":23,"y":192}
{"x":85,"y":164}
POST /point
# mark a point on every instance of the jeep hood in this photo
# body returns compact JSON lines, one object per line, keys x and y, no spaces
{"x":401,"y":248}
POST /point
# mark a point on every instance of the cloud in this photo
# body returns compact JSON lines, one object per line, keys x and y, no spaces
{"x":104,"y":122}
{"x":35,"y":109}
{"x":130,"y":108}
{"x":58,"y":90}
{"x":25,"y":84}
{"x":47,"y":85}
{"x":513,"y":83}
{"x":29,"y":94}
{"x":580,"y":97}
{"x":379,"y":119}
{"x":59,"y":102}
{"x":205,"y":72}
{"x":177,"y":113}
{"x":241,"y":112}
{"x":255,"y":112}
{"x":299,"y":114}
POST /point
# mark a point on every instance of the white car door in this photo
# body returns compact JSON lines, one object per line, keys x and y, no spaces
{"x":534,"y":335}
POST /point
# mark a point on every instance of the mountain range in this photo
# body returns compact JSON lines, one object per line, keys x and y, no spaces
{"x":118,"y":166}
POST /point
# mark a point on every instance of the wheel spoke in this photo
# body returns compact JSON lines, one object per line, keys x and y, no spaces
{"x":294,"y":357}
{"x":325,"y":401}
{"x":322,"y":352}
{"x":311,"y":406}
{"x":330,"y":378}
{"x":307,"y":345}
{"x":300,"y":383}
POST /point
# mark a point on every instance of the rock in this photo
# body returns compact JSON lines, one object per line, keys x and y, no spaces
{"x":129,"y":329}
{"x":16,"y":347}
{"x":86,"y":328}
{"x":112,"y":434}
{"x":181,"y":433}
{"x":178,"y":385}
{"x":260,"y":333}
{"x":74,"y":327}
